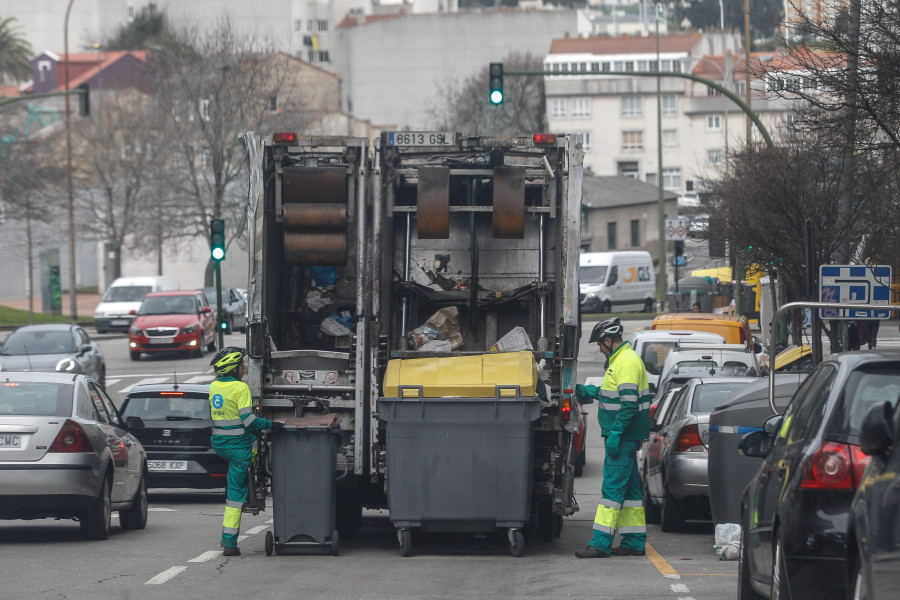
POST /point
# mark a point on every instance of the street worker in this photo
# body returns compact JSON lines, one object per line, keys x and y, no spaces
{"x":233,"y":436}
{"x":624,"y":415}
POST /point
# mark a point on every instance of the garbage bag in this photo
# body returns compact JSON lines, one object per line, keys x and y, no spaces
{"x":436,"y":346}
{"x":332,"y":326}
{"x":442,"y":325}
{"x":728,"y":541}
{"x":323,"y":277}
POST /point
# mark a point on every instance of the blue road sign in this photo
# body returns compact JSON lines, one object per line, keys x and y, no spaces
{"x":868,"y":286}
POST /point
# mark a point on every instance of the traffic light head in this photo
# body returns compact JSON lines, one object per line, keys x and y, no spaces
{"x":217,"y":238}
{"x":84,"y":100}
{"x":495,"y":74}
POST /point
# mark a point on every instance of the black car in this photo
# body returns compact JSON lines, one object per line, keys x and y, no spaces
{"x":60,"y":347}
{"x":873,"y":553}
{"x":234,"y":314}
{"x":795,"y":512}
{"x":176,"y":435}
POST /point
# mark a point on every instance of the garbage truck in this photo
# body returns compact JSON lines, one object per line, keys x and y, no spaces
{"x":366,"y":255}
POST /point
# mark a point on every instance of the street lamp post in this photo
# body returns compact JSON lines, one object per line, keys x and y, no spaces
{"x":661,"y":216}
{"x":73,"y":300}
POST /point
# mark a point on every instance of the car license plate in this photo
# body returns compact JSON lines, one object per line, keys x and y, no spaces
{"x":421,"y":138}
{"x":116,"y":322}
{"x":167,"y":465}
{"x":8,"y":440}
{"x":162,"y":340}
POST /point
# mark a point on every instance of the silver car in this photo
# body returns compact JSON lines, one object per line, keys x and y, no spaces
{"x":678,"y":451}
{"x":65,"y":453}
{"x":61,"y":347}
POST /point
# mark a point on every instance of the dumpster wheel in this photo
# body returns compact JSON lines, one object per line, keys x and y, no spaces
{"x":516,"y":541}
{"x":270,"y":543}
{"x":404,"y":535}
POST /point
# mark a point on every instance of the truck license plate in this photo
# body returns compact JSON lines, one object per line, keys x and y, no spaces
{"x":421,"y":138}
{"x":167,"y":465}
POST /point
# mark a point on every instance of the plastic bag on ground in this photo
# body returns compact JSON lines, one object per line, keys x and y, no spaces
{"x":728,"y":541}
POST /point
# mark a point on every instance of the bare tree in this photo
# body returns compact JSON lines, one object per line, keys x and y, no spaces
{"x":464,"y":106}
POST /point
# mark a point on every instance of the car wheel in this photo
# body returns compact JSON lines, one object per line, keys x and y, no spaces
{"x":212,"y":345}
{"x":96,"y":522}
{"x":605,"y":307}
{"x":199,"y":351}
{"x":672,"y":513}
{"x":651,"y":511}
{"x":136,"y":516}
{"x":648,"y":306}
{"x":745,"y":590}
{"x":780,"y":589}
{"x":135,"y":356}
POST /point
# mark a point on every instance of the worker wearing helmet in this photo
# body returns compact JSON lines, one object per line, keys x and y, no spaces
{"x":624,"y":415}
{"x":233,"y":429}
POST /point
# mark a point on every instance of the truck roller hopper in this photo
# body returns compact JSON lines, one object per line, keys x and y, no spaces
{"x":315,"y":216}
{"x":315,"y":249}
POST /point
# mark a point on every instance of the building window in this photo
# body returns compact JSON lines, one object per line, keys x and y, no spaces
{"x":581,"y":107}
{"x":323,"y":24}
{"x":605,"y":66}
{"x":323,"y":56}
{"x":632,"y":140}
{"x":311,"y":56}
{"x":670,"y":137}
{"x":642,"y":65}
{"x":635,"y":233}
{"x":651,"y":179}
{"x":309,"y":26}
{"x":741,"y":88}
{"x":669,"y":104}
{"x":632,"y":106}
{"x":611,"y":235}
{"x":713,"y":123}
{"x":629,"y":65}
{"x":204,"y":109}
{"x":207,"y":158}
{"x":558,"y":107}
{"x":672,"y":178}
{"x":584,"y":138}
{"x":273,"y":103}
{"x":44,"y":70}
{"x":298,"y":25}
{"x":715,"y":156}
{"x":595,"y":67}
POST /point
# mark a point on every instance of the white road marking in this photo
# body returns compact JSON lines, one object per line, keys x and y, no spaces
{"x":241,"y":538}
{"x":672,"y":576}
{"x":198,"y":379}
{"x":679,"y":588}
{"x":257,"y":529}
{"x":148,"y":380}
{"x":206,"y":556}
{"x":165,"y":576}
{"x":270,"y":521}
{"x":110,"y":382}
{"x":180,"y":375}
{"x":161,"y":509}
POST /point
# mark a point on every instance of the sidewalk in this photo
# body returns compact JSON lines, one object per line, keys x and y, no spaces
{"x":85,"y":304}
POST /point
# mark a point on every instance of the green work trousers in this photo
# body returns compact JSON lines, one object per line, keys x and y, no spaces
{"x":621,"y":507}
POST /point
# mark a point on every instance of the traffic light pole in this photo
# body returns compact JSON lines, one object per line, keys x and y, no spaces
{"x":220,"y":335}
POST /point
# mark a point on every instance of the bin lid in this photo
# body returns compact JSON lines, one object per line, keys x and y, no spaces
{"x":472,"y":376}
{"x":750,"y":406}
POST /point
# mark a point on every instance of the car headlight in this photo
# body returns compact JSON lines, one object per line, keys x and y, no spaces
{"x":592,"y":295}
{"x":66,"y":364}
{"x":135,"y":331}
{"x":190,"y":328}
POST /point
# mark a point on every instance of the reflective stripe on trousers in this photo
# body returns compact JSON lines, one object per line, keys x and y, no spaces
{"x":235,"y":492}
{"x":621,"y":507}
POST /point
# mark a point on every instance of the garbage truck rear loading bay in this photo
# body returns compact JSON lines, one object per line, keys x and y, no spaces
{"x":417,"y":245}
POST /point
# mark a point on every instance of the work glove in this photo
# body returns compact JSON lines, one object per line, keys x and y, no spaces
{"x":583,"y":395}
{"x":612,"y":445}
{"x":277,"y":426}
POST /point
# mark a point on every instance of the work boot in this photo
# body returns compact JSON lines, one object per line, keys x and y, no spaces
{"x":591,"y":552}
{"x":231,"y":552}
{"x":620,"y":551}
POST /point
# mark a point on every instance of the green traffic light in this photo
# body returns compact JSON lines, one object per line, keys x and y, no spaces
{"x":495,"y":77}
{"x":496,"y":97}
{"x":223,"y":325}
{"x":218,"y":253}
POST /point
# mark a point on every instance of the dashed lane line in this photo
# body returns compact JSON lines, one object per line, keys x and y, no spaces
{"x":209,"y":555}
{"x":679,"y":588}
{"x":257,"y":529}
{"x":110,"y":382}
{"x":165,"y":576}
{"x":661,"y":564}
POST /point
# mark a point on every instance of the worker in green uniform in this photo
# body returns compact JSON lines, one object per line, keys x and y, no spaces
{"x":233,"y":436}
{"x":624,"y":414}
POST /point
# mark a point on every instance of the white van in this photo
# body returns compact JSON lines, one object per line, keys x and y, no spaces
{"x":123,"y":296}
{"x":616,"y":281}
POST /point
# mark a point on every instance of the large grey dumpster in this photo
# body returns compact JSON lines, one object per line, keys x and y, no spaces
{"x":459,"y":464}
{"x":728,"y":470}
{"x":304,"y":461}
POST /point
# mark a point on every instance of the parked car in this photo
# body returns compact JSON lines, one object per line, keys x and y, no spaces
{"x":62,"y":347}
{"x":698,"y":226}
{"x":658,"y":412}
{"x":676,"y":463}
{"x":176,"y":435}
{"x":66,"y":454}
{"x":735,"y":330}
{"x":654,"y":345}
{"x":233,"y":308}
{"x":173,"y":322}
{"x":795,"y":512}
{"x":874,"y":534}
{"x":689,"y":200}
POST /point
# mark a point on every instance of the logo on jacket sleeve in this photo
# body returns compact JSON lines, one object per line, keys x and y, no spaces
{"x":218,"y":401}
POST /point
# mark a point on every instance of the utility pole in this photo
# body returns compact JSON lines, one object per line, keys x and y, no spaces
{"x":661,"y":201}
{"x":73,"y":300}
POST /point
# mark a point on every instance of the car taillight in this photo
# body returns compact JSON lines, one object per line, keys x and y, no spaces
{"x":565,"y":408}
{"x":689,"y":440}
{"x":71,"y":438}
{"x":653,"y":408}
{"x":834,"y":466}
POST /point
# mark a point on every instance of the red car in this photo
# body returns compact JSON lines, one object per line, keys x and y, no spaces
{"x":173,"y":322}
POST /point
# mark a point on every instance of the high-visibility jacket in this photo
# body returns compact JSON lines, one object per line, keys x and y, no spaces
{"x":624,"y":396}
{"x":231,"y":409}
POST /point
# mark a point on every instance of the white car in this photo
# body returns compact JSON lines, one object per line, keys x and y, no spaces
{"x":689,"y":200}
{"x":699,"y":225}
{"x":654,"y":345}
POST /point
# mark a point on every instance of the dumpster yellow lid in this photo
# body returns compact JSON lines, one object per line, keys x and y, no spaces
{"x":473,"y":376}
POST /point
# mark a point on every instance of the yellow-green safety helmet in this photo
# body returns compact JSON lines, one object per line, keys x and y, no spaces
{"x":227,"y":359}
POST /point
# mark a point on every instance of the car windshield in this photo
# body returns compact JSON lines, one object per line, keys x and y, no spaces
{"x":594,"y":274}
{"x":167,"y":407}
{"x":169,"y":305}
{"x":865,"y":388}
{"x":709,"y":395}
{"x":35,"y":399}
{"x":126,"y":293}
{"x":654,"y":354}
{"x":210,"y":294}
{"x":38,"y":342}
